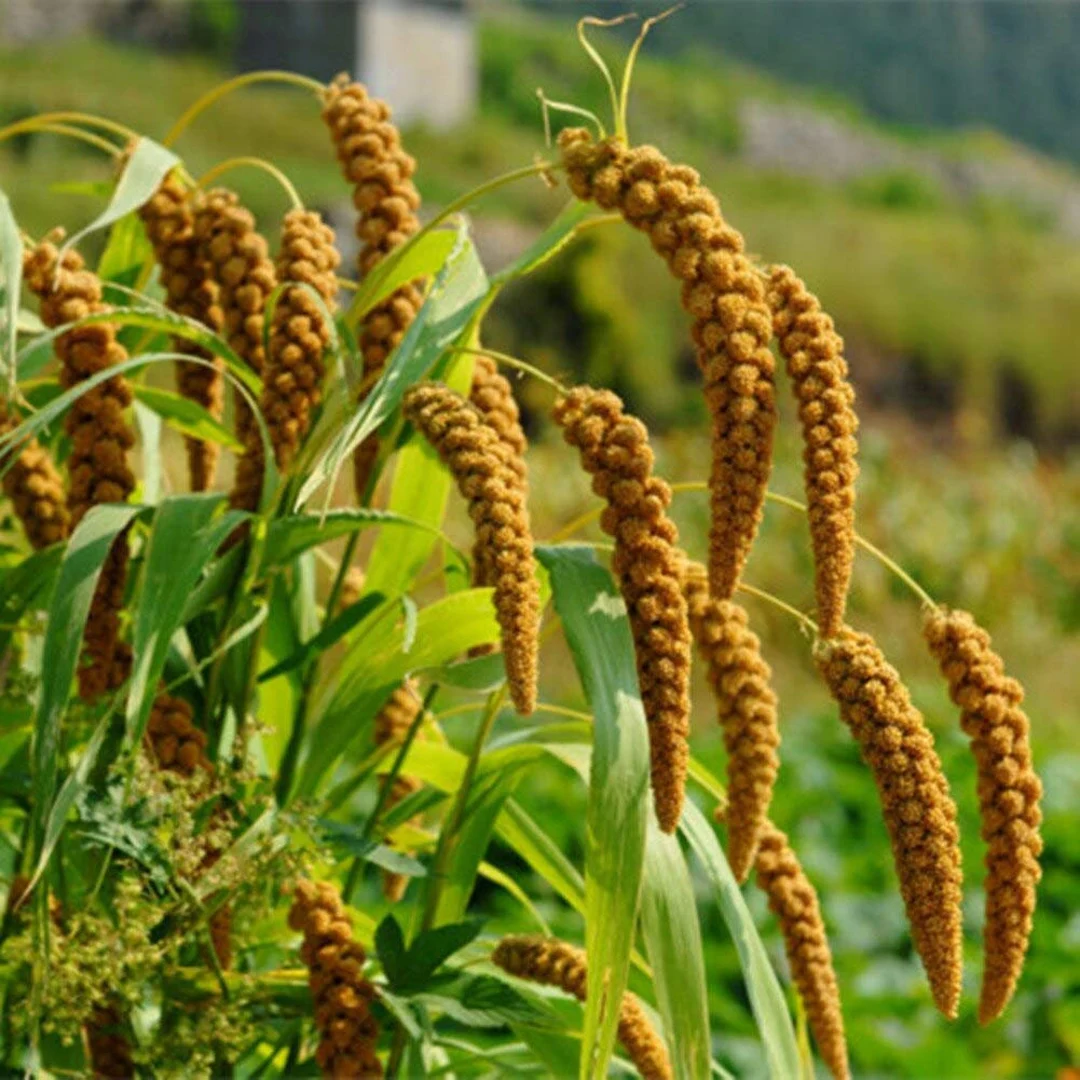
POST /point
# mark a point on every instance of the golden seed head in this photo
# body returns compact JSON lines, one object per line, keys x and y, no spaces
{"x":369,"y":150}
{"x":732,"y":325}
{"x":1009,"y":793}
{"x":35,"y":488}
{"x":174,"y":740}
{"x":169,"y":219}
{"x":746,"y":707}
{"x":341,"y":995}
{"x":615,"y":450}
{"x":482,"y":466}
{"x":794,"y":901}
{"x":556,"y":963}
{"x":814,"y":353}
{"x":918,"y":808}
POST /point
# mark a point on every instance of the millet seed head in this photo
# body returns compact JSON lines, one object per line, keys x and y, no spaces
{"x":814,"y":353}
{"x":482,"y":466}
{"x":107,"y":1044}
{"x":169,"y":219}
{"x":794,"y":901}
{"x":34,"y":486}
{"x":991,"y":714}
{"x":369,"y":150}
{"x":341,"y":995}
{"x":746,"y":707}
{"x":918,"y":808}
{"x":552,"y":962}
{"x":174,"y":740}
{"x":732,"y":324}
{"x":614,"y":449}
{"x":101,"y":439}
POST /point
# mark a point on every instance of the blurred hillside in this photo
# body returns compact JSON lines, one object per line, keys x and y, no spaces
{"x":951,"y":263}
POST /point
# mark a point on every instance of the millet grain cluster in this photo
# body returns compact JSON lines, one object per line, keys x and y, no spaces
{"x":482,"y":465}
{"x":918,"y":808}
{"x":746,"y":707}
{"x":35,"y":488}
{"x":615,"y":451}
{"x":372,"y":159}
{"x":1009,"y":794}
{"x":169,"y":219}
{"x":238,"y":262}
{"x":819,"y":374}
{"x":341,"y":994}
{"x":101,"y":439}
{"x":556,"y":963}
{"x":724,"y":294}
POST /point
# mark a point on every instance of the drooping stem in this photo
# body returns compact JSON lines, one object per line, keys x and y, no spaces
{"x":35,"y":123}
{"x":72,"y":132}
{"x":256,"y":163}
{"x":768,"y":597}
{"x":512,"y":361}
{"x":225,"y":88}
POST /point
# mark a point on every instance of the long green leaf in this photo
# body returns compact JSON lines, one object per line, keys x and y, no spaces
{"x":79,"y":572}
{"x":672,"y":932}
{"x":186,"y":533}
{"x":186,"y":416}
{"x":126,"y":251}
{"x":598,"y":634}
{"x":147,"y":165}
{"x":459,"y":289}
{"x":11,"y":264}
{"x":21,"y":586}
{"x":766,"y":997}
{"x":548,"y":244}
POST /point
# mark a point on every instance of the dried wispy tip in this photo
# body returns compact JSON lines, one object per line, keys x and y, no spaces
{"x":615,"y":450}
{"x":35,"y":488}
{"x":237,"y":260}
{"x":107,"y":1045}
{"x":556,"y":963}
{"x":299,"y":335}
{"x":372,"y":159}
{"x":169,"y":219}
{"x":732,"y":326}
{"x":481,"y":464}
{"x":918,"y":808}
{"x":342,"y":996}
{"x":815,"y":362}
{"x":101,"y":439}
{"x":794,"y":901}
{"x":1009,"y":794}
{"x":392,"y":724}
{"x":746,"y":707}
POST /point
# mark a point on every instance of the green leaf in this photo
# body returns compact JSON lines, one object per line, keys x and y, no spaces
{"x":11,"y":264}
{"x":524,"y":835}
{"x":288,"y":536}
{"x":672,"y":932}
{"x":481,"y":674}
{"x":149,"y":425}
{"x":458,"y":291}
{"x":548,"y":244}
{"x":22,"y":585}
{"x":186,"y":533}
{"x":147,"y":165}
{"x":433,"y":948}
{"x":598,"y":634}
{"x":376,"y":663}
{"x":486,"y":1001}
{"x":79,"y":572}
{"x":390,"y":948}
{"x":349,"y":840}
{"x":126,"y":251}
{"x":766,"y":998}
{"x":423,"y":258}
{"x":186,"y":416}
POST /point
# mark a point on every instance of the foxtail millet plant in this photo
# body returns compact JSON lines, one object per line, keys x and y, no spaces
{"x":746,"y":707}
{"x":238,"y":262}
{"x":553,"y":962}
{"x":482,"y":465}
{"x":101,"y":438}
{"x":819,"y":374}
{"x":1009,"y":793}
{"x":615,"y":451}
{"x":916,"y":802}
{"x":342,"y":996}
{"x":35,"y":488}
{"x":724,"y":293}
{"x":372,"y":159}
{"x":794,"y":901}
{"x":169,"y":219}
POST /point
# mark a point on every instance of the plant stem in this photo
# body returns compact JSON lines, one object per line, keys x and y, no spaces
{"x":223,"y":167}
{"x":514,"y":362}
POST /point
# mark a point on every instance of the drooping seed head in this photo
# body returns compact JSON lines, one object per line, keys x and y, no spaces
{"x":35,"y":488}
